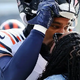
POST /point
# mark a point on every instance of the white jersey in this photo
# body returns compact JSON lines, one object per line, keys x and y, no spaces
{"x":10,"y":40}
{"x":38,"y":69}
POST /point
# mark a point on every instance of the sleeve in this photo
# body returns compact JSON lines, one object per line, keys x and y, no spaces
{"x":10,"y":40}
{"x":25,"y":57}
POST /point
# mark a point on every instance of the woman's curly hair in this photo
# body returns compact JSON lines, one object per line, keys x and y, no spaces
{"x":65,"y":58}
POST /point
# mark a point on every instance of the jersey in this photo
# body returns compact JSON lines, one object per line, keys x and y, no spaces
{"x":38,"y":69}
{"x":10,"y":40}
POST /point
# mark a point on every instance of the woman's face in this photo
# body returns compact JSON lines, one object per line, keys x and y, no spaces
{"x":59,"y":25}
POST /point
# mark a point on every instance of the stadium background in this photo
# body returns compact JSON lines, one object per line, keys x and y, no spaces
{"x":9,"y":10}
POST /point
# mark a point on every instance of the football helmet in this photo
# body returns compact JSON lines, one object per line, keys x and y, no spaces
{"x":11,"y":23}
{"x":27,"y":9}
{"x":69,"y":9}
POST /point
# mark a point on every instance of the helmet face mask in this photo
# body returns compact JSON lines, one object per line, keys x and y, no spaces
{"x":77,"y":7}
{"x":27,"y":9}
{"x":28,"y":1}
{"x":33,"y":3}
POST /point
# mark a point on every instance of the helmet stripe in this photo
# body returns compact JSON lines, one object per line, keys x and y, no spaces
{"x":7,"y":26}
{"x":15,"y":25}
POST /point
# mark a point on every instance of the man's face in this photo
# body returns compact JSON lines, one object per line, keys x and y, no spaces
{"x":59,"y":25}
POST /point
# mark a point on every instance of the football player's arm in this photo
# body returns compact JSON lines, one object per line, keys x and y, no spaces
{"x":25,"y":58}
{"x":23,"y":62}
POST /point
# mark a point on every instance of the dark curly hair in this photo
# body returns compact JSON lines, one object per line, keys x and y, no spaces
{"x":65,"y":58}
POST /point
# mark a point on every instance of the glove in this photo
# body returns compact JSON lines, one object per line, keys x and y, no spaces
{"x":27,"y":9}
{"x":46,"y":13}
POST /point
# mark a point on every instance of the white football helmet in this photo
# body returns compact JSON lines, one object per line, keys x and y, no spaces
{"x":12,"y":23}
{"x":69,"y":9}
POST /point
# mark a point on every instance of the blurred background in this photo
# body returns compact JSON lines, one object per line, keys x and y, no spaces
{"x":9,"y":10}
